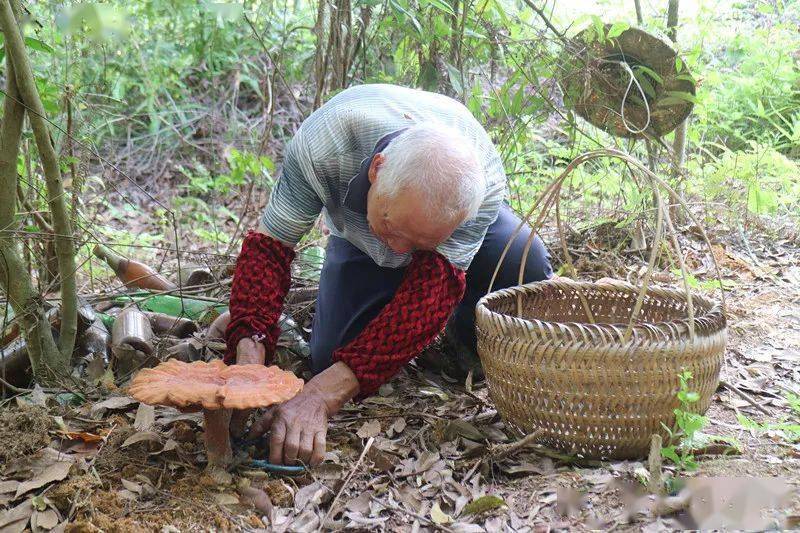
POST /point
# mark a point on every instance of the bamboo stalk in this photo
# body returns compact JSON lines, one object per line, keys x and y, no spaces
{"x":14,"y":276}
{"x":65,"y":247}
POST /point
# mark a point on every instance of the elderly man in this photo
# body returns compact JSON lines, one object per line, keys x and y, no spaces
{"x":413,"y":192}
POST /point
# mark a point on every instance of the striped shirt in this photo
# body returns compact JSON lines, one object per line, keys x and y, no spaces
{"x":331,"y":146}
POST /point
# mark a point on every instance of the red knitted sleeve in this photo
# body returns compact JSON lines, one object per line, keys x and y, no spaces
{"x":261,"y":281}
{"x":429,"y":291}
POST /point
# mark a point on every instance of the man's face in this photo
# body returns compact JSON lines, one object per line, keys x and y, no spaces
{"x":400,"y":223}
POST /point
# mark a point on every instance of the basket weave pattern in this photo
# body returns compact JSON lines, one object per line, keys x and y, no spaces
{"x":591,"y":392}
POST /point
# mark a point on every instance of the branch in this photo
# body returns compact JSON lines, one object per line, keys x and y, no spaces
{"x":65,"y":247}
{"x":547,"y":22}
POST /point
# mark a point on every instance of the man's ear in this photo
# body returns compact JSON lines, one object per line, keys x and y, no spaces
{"x":376,"y":163}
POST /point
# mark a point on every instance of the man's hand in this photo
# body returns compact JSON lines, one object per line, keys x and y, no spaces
{"x":297,"y":430}
{"x":298,"y":427}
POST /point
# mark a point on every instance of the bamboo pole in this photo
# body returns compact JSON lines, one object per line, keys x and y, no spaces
{"x":15,"y":279}
{"x":65,"y":247}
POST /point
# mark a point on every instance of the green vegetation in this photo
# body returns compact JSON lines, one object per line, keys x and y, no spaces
{"x":187,"y":91}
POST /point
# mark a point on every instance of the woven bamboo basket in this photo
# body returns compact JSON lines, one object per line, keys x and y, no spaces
{"x":593,"y":367}
{"x":590,"y":391}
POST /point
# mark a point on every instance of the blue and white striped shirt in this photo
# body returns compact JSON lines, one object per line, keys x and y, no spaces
{"x":331,"y":145}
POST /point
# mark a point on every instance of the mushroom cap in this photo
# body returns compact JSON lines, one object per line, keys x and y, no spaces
{"x":214,"y":385}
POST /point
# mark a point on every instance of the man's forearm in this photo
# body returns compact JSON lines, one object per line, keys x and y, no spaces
{"x":430,"y":290}
{"x":336,"y":385}
{"x":260,"y":284}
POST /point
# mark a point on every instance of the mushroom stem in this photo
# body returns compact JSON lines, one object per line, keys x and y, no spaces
{"x":217,"y":435}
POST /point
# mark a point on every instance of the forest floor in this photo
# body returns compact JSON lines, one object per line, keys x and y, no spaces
{"x":423,"y":454}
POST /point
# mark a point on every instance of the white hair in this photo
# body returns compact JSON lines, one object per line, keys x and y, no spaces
{"x":438,"y":161}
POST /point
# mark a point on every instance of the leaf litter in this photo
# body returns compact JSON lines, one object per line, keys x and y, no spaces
{"x":437,"y":461}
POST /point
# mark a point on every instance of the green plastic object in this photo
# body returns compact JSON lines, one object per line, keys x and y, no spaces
{"x":168,"y":304}
{"x":108,"y":320}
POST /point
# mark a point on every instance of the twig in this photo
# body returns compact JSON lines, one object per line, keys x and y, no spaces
{"x":12,"y":388}
{"x":654,"y":465}
{"x":347,"y":481}
{"x":504,"y":450}
{"x":744,"y":397}
{"x":547,"y":21}
{"x":411,"y":513}
{"x":271,"y":60}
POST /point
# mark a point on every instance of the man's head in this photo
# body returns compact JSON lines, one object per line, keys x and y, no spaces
{"x":425,"y":183}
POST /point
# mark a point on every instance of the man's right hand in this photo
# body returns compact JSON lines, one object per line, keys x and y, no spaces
{"x":248,"y":352}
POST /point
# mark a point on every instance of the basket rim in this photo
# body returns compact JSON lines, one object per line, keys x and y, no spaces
{"x":711,"y":315}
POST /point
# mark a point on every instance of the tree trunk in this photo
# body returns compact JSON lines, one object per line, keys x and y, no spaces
{"x":14,"y":277}
{"x":679,"y":144}
{"x":65,"y":247}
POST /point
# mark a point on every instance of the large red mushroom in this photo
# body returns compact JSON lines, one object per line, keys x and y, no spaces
{"x":216,"y":388}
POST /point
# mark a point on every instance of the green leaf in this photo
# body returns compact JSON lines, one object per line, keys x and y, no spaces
{"x":483,"y":504}
{"x":747,"y":423}
{"x":441,"y":5}
{"x":455,"y":78}
{"x":599,"y":28}
{"x":472,"y":33}
{"x":670,"y":100}
{"x":762,"y":201}
{"x":429,"y":76}
{"x":669,"y":453}
{"x":650,"y":72}
{"x":403,"y":11}
{"x":41,"y":46}
{"x":616,"y":29}
{"x":683,"y":95}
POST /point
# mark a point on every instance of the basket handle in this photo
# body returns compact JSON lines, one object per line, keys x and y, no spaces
{"x":551,"y":195}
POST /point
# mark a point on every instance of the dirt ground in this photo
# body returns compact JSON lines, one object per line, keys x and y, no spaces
{"x":424,"y":454}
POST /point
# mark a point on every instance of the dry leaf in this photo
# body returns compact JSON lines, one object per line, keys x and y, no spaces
{"x":438,"y":516}
{"x":54,"y":472}
{"x":383,"y":462}
{"x":145,"y":417}
{"x":115,"y":402}
{"x":168,"y":447}
{"x":15,"y":520}
{"x":38,"y":396}
{"x":369,"y":429}
{"x":47,"y":519}
{"x":142,"y":436}
{"x":224,"y":498}
{"x":306,"y":522}
{"x":399,"y":425}
{"x":8,"y":486}
{"x":82,"y":436}
{"x":257,"y":499}
{"x":467,"y":528}
{"x":131,"y":486}
{"x":360,"y":504}
{"x":125,"y":494}
{"x":313,"y":493}
{"x":410,"y":497}
{"x":464,"y":429}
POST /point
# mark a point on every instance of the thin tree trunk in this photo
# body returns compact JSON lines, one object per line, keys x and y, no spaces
{"x":65,"y":247}
{"x":14,"y":276}
{"x":319,"y":56}
{"x":679,"y":143}
{"x":639,"y":18}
